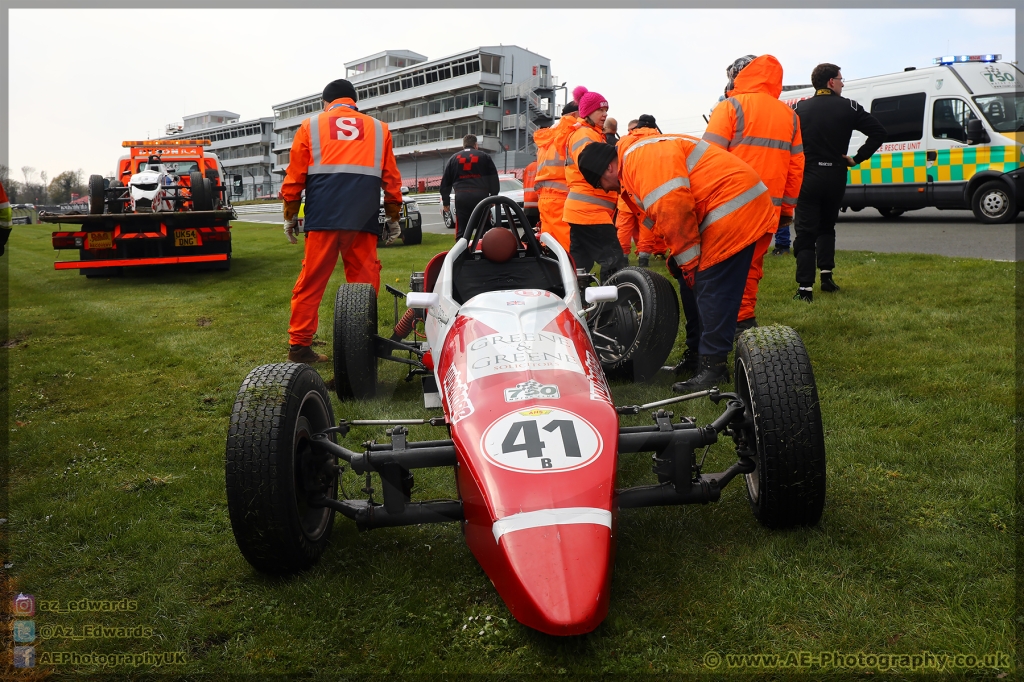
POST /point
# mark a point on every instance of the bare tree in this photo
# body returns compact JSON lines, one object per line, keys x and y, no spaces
{"x":28,"y":172}
{"x":5,"y":174}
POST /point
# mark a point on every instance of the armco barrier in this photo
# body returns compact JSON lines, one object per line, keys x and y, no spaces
{"x":249,"y":209}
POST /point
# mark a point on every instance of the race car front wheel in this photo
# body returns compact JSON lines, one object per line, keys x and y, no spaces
{"x":634,"y":334}
{"x":272,"y":474}
{"x":782,"y":427}
{"x":202,"y":194}
{"x":355,"y":326}
{"x":97,"y":195}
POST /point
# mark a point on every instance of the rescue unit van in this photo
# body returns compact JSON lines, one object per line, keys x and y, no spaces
{"x":954,"y":134}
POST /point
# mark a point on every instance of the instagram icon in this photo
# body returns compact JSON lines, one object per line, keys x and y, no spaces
{"x":24,"y":605}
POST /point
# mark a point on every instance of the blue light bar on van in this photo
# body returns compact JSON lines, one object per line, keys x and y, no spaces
{"x":962,"y":58}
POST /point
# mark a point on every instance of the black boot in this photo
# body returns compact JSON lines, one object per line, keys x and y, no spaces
{"x":644,"y":260}
{"x":827,"y":283}
{"x":805,"y":295}
{"x":713,"y":371}
{"x":742,"y":326}
{"x":689,"y":363}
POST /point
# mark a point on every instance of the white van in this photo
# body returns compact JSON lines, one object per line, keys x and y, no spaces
{"x":954,"y":139}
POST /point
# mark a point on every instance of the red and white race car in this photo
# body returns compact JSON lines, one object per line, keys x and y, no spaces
{"x":534,"y":435}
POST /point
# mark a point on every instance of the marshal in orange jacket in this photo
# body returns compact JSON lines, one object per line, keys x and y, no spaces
{"x":342,"y":158}
{"x":757,"y":127}
{"x":705,"y":203}
{"x":584,"y":204}
{"x":550,"y":179}
{"x":529,"y":185}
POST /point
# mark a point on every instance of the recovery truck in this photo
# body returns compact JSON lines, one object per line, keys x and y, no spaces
{"x":166,"y":205}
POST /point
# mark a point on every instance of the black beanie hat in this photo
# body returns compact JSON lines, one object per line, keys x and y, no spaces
{"x":338,"y":89}
{"x":570,"y":108}
{"x":594,"y":161}
{"x":647,"y":121}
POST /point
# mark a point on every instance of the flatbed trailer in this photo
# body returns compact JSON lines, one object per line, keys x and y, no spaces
{"x":108,"y":242}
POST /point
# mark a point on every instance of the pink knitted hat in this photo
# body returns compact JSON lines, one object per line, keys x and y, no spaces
{"x":578,"y":92}
{"x":590,"y":103}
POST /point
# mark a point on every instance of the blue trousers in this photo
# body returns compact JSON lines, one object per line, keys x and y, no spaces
{"x":719,"y":292}
{"x":782,"y":238}
{"x":690,"y":313}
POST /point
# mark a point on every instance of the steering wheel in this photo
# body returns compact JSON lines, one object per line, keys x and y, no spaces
{"x":475,"y":227}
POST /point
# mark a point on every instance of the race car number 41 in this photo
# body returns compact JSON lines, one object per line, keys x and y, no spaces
{"x":541,"y":440}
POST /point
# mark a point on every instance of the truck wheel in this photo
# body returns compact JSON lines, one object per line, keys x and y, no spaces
{"x":890,"y":212}
{"x":271,"y":473}
{"x":355,"y":325}
{"x":97,"y":196}
{"x":113,"y":205}
{"x":634,"y":335}
{"x":201,"y":193}
{"x":412,"y":234}
{"x":776,"y":383}
{"x":994,"y":203}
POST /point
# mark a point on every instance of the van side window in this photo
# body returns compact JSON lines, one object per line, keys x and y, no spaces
{"x":949,"y":119}
{"x":902,"y":116}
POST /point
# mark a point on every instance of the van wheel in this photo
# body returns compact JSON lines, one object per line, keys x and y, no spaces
{"x":890,"y":212}
{"x":994,"y":203}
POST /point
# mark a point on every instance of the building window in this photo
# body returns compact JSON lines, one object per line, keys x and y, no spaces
{"x":490,"y":63}
{"x":902,"y":117}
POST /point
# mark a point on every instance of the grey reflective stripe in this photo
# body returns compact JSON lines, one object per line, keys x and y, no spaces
{"x":661,"y":190}
{"x":648,"y":223}
{"x":588,"y":199}
{"x":732,"y":205}
{"x":788,"y":200}
{"x":647,"y":141}
{"x":796,"y":149}
{"x":314,"y":138}
{"x":551,"y":184}
{"x":319,"y":168}
{"x":580,"y":143}
{"x":764,"y":142}
{"x":557,"y":161}
{"x":776,"y":201}
{"x":688,"y":255}
{"x":695,"y":156}
{"x":717,"y":139}
{"x":738,"y":133}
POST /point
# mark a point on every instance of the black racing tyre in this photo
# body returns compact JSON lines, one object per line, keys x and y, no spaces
{"x":775,"y":380}
{"x":271,"y":473}
{"x":634,"y":335}
{"x":890,"y":212}
{"x":355,"y":325}
{"x":113,"y":204}
{"x":202,"y":199}
{"x":412,"y":233}
{"x":216,"y":197}
{"x":97,"y":195}
{"x":994,"y":202}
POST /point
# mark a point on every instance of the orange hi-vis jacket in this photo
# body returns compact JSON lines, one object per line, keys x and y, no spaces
{"x":585,"y":204}
{"x":342,"y":158}
{"x":626,"y":223}
{"x":757,"y":127}
{"x":550,"y":179}
{"x":704,"y":202}
{"x":529,"y":187}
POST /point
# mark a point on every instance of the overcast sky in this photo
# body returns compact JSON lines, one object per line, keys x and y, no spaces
{"x":74,"y":99}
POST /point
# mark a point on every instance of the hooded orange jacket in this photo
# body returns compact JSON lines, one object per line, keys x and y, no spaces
{"x":705,"y":203}
{"x":757,"y":127}
{"x":585,"y":205}
{"x":550,"y":161}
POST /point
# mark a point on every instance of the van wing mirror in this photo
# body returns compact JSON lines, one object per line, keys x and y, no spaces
{"x":976,"y":133}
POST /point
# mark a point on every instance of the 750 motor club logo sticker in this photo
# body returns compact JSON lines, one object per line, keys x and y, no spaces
{"x":531,"y":390}
{"x":540,"y":440}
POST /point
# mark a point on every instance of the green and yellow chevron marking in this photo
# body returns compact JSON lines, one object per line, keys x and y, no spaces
{"x":951,"y":165}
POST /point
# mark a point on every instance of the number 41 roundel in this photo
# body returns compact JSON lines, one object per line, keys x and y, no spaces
{"x":539,"y":441}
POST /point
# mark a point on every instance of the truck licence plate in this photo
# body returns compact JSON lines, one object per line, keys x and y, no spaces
{"x":100,"y":240}
{"x":186,"y":238}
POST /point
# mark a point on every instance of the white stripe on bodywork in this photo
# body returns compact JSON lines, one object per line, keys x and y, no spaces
{"x":551,"y":517}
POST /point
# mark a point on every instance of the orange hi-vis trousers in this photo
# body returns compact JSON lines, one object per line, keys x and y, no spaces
{"x":551,"y":205}
{"x":749,"y":303}
{"x":358,"y":251}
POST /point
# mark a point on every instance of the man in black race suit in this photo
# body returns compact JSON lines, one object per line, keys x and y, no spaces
{"x":827,"y":122}
{"x":472,"y":174}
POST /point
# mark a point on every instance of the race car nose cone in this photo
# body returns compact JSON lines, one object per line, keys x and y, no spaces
{"x":559,"y":577}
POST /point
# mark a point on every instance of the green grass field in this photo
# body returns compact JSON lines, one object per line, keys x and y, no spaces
{"x":121,"y":390}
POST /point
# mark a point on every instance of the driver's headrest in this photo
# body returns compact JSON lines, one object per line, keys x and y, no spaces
{"x":498,"y":244}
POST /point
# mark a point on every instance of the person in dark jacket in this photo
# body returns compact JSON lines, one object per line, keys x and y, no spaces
{"x":827,"y":121}
{"x":472,"y":174}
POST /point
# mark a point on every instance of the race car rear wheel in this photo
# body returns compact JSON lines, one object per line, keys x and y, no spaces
{"x":114,"y":205}
{"x":216,"y":197}
{"x":775,"y":380}
{"x":202,"y":199}
{"x":355,"y":325}
{"x":634,"y":335}
{"x":97,"y":197}
{"x":272,"y":474}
